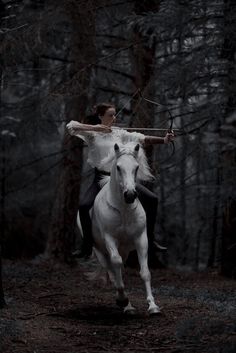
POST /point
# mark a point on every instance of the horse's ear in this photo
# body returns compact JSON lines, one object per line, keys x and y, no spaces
{"x":116,"y":148}
{"x":136,"y":148}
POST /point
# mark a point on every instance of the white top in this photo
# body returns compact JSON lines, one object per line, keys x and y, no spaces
{"x":101,"y":144}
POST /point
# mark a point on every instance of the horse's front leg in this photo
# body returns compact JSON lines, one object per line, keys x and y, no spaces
{"x":116,"y":264}
{"x":142,"y":251}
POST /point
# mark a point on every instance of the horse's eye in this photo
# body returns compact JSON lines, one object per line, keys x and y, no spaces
{"x":118,"y":168}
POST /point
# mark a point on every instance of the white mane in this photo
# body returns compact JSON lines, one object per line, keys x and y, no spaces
{"x":144,"y":172}
{"x":104,"y":180}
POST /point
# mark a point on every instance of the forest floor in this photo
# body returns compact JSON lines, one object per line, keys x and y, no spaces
{"x":56,"y":309}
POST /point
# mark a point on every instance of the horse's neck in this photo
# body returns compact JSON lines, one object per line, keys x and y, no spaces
{"x":115,"y":195}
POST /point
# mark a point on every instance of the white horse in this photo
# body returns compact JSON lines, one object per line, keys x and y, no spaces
{"x":119,"y":224}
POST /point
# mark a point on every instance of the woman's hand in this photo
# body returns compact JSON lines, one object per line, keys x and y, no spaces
{"x":73,"y":127}
{"x":169,"y":137}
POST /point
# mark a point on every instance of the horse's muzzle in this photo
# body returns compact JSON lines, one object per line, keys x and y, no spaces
{"x":130,"y":196}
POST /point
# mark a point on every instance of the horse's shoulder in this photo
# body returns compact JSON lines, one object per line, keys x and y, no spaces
{"x":101,"y":196}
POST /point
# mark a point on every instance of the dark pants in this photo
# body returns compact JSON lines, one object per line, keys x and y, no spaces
{"x":149,"y":202}
{"x":147,"y":198}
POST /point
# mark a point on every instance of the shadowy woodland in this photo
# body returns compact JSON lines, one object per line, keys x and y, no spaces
{"x":57,"y":60}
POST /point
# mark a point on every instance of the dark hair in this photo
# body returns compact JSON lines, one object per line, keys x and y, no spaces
{"x":99,"y":109}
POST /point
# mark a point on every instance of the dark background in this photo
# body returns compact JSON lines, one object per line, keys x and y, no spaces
{"x":59,"y":58}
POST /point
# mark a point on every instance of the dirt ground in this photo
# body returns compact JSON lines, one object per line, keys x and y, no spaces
{"x":56,"y":309}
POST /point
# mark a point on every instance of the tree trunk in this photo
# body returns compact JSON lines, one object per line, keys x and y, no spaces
{"x":228,"y":243}
{"x":144,"y":64}
{"x":3,"y":221}
{"x":63,"y":220}
{"x":2,"y":300}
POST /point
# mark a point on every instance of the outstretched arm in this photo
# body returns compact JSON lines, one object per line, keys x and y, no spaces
{"x":74,"y":128}
{"x":153,"y":140}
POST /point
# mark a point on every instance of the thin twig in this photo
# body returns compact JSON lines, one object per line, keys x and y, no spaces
{"x":31,"y":316}
{"x":13,"y":29}
{"x":51,"y":295}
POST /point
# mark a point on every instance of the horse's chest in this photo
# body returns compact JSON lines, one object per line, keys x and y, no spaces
{"x":127,"y":224}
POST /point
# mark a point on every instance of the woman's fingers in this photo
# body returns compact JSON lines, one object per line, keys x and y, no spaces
{"x":71,"y":127}
{"x":169,"y":137}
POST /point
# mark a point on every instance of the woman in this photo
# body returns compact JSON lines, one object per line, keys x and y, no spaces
{"x":100,"y":139}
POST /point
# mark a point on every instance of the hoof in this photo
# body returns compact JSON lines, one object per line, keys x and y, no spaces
{"x":122,"y":303}
{"x":154,"y":311}
{"x":129,"y":310}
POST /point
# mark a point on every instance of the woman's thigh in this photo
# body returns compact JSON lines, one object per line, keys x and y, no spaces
{"x":90,"y":196}
{"x":145,"y":194}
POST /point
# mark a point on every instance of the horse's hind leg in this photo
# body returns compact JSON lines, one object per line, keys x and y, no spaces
{"x":142,"y":251}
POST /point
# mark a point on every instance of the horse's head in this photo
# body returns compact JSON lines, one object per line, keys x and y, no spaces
{"x":126,"y":170}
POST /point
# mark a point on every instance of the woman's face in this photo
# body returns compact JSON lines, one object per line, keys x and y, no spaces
{"x":109,"y":117}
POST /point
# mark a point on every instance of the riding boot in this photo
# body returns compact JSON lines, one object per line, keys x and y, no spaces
{"x":153,"y":248}
{"x":153,"y":260}
{"x":87,"y":240}
{"x":149,"y":202}
{"x":85,"y":251}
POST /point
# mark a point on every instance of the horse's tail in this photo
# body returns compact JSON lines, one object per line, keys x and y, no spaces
{"x":78,"y":222}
